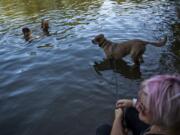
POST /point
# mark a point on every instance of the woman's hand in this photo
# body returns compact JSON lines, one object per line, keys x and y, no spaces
{"x":117,"y":128}
{"x":124,"y":103}
{"x":119,"y":114}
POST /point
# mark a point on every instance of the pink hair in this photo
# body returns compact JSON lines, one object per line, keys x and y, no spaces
{"x":163,"y":99}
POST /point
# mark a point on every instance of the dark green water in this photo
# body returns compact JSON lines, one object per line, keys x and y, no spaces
{"x":68,"y":89}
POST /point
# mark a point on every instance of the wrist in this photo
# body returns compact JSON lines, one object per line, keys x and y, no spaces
{"x":118,"y":118}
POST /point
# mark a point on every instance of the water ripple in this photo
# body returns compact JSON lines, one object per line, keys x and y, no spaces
{"x":54,"y":79}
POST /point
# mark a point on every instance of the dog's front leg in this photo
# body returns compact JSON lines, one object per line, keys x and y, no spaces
{"x":141,"y":59}
{"x":136,"y":60}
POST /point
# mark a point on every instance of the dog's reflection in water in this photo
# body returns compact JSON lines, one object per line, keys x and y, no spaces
{"x":119,"y":66}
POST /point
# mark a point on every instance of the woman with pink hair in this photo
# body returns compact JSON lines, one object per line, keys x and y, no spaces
{"x":155,"y":112}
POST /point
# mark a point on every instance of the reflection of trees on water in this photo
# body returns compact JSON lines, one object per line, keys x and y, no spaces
{"x":171,"y":60}
{"x":134,"y":1}
{"x":175,"y":48}
{"x":68,"y":13}
{"x":27,"y":6}
{"x":176,"y":33}
{"x":30,"y":7}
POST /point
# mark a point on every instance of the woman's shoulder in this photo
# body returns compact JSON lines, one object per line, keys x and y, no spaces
{"x":155,"y":130}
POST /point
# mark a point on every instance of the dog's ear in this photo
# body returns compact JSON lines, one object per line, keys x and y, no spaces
{"x":101,"y":35}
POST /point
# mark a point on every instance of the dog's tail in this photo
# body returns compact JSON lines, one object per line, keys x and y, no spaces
{"x":159,"y":43}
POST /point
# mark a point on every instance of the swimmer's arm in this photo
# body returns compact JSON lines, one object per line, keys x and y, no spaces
{"x":36,"y":37}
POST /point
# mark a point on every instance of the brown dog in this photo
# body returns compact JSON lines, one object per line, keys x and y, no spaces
{"x":135,"y":48}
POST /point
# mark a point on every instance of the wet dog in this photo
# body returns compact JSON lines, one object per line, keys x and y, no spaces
{"x":135,"y":48}
{"x":45,"y":27}
{"x":27,"y":33}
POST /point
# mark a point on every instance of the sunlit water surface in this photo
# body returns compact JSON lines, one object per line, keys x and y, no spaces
{"x":67,"y":88}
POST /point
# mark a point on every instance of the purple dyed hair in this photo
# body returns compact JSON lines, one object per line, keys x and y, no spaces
{"x":163,"y":99}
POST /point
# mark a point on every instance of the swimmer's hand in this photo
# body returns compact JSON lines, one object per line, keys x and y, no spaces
{"x":37,"y":37}
{"x":124,"y":103}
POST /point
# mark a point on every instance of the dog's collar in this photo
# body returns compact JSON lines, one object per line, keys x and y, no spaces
{"x":102,"y":43}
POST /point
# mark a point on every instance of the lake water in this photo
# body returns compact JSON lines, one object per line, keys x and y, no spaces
{"x":68,"y":88}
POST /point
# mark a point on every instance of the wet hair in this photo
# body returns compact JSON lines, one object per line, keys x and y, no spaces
{"x":25,"y":30}
{"x":163,"y":100}
{"x":45,"y":27}
{"x":45,"y":24}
